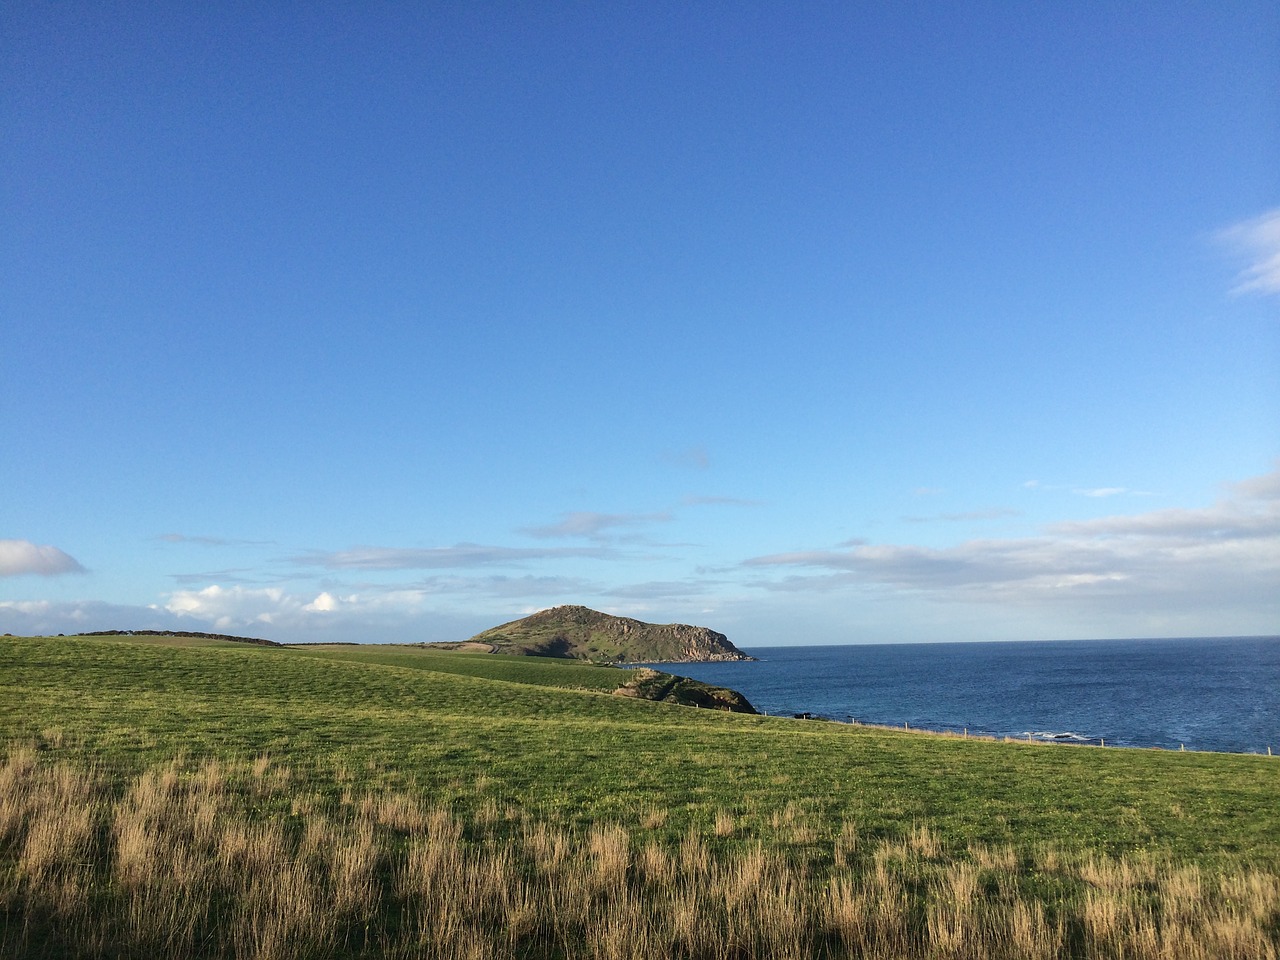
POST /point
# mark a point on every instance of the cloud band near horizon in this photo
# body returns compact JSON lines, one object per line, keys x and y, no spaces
{"x":1224,"y":551}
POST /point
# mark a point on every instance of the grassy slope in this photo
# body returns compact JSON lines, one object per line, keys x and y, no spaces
{"x":475,"y":729}
{"x":545,"y":672}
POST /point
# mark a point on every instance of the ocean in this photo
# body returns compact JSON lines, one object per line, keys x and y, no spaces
{"x":1220,"y":693}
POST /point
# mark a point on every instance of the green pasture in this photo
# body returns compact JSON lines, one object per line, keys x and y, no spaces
{"x":546,"y":737}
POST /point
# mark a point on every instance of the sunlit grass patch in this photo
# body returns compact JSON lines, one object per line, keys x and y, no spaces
{"x":148,"y":787}
{"x":180,"y":863}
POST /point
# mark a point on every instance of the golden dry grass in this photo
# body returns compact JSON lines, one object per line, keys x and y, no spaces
{"x":187,"y":862}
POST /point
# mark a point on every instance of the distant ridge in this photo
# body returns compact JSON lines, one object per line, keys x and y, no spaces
{"x":580,"y":633}
{"x":178,"y":633}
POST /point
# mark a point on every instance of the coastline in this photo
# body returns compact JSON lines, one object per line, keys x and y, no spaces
{"x":1215,"y":695}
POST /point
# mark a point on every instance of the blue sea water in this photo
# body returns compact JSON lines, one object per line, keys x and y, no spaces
{"x":1220,"y":693}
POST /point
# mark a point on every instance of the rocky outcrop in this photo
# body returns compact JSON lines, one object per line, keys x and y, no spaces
{"x":646,"y":684}
{"x":580,"y":633}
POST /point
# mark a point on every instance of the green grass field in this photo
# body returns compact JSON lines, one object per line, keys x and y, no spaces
{"x":510,"y":743}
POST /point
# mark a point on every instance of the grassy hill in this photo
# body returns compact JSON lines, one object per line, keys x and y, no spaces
{"x":532,"y":770}
{"x":581,"y":633}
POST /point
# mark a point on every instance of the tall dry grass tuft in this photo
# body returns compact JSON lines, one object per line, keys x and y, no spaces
{"x":778,"y":919}
{"x":546,"y":848}
{"x":49,"y":816}
{"x":845,"y":849}
{"x":994,"y":859}
{"x":844,"y":917}
{"x":890,"y":927}
{"x":218,"y":860}
{"x":923,"y":843}
{"x":653,"y":818}
{"x":656,"y":866}
{"x":399,"y":811}
{"x":353,"y":861}
{"x":725,"y":824}
{"x":610,"y":849}
{"x":953,"y":919}
{"x":282,"y":914}
{"x":15,"y":774}
{"x":432,"y":861}
{"x":1031,"y":936}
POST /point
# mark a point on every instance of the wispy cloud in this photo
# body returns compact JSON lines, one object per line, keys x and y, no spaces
{"x":19,"y":557}
{"x":693,"y":500}
{"x":1100,"y":492}
{"x":1258,"y":240}
{"x":1265,"y":487}
{"x":1097,"y":493}
{"x":695,"y":458}
{"x":1227,"y":521}
{"x":595,"y":526}
{"x":530,"y":585}
{"x":234,"y":575}
{"x":991,"y":513}
{"x":211,"y":541}
{"x":441,"y":558}
{"x":661,"y":590}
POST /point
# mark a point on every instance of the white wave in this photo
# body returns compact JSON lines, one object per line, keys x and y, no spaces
{"x":1064,"y":735}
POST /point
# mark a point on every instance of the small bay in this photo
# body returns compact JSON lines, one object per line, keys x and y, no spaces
{"x":1219,"y":693}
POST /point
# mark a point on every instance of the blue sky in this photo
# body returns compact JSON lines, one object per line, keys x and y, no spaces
{"x":812,"y":323}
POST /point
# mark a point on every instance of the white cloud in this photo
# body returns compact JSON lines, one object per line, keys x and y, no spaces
{"x":324,"y":603}
{"x":18,"y":557}
{"x":1102,"y":492}
{"x":278,"y":613}
{"x":231,"y":607}
{"x":391,"y":617}
{"x":1259,"y":241}
{"x":38,"y":617}
{"x":239,"y":608}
